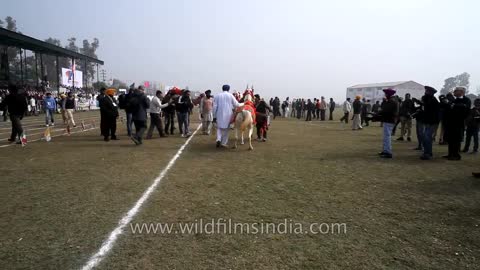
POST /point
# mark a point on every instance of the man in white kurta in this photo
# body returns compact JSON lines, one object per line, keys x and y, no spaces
{"x":223,"y":106}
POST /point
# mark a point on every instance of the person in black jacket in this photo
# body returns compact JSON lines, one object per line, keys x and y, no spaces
{"x":444,"y":100}
{"x":455,"y":122}
{"x":138,"y":105}
{"x":473,"y":125}
{"x":331,"y":107}
{"x":406,"y":110}
{"x":169,"y":113}
{"x":123,"y":101}
{"x":262,"y":110}
{"x":357,"y":110}
{"x":388,"y":115}
{"x":184,"y":107}
{"x":310,"y":110}
{"x":17,"y":106}
{"x":430,"y":120}
{"x":109,"y":111}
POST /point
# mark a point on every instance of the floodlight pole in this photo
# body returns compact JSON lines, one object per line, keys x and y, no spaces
{"x":36,"y":69}
{"x":58,"y":76}
{"x":85,"y":75}
{"x":21,"y":65}
{"x":41,"y":67}
{"x":25,"y":64}
{"x":73,"y":74}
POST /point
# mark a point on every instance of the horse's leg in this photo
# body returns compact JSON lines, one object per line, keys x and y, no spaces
{"x":250,"y":133}
{"x":236,"y":137}
{"x":241,"y":133}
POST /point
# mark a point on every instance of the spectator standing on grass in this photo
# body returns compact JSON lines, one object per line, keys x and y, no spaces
{"x":138,"y":105}
{"x":473,"y":124}
{"x":323,"y":108}
{"x":331,"y":106}
{"x":455,"y":122}
{"x":50,"y":108}
{"x":366,"y":110}
{"x":184,"y":106}
{"x":123,"y":101}
{"x":3,"y":96}
{"x":17,"y":106}
{"x":429,"y":121}
{"x":316,"y":111}
{"x":347,"y":108}
{"x":299,"y":108}
{"x":68,"y":106}
{"x":33,"y":105}
{"x":62,"y":109}
{"x":206,"y":112}
{"x":357,"y":110}
{"x":310,"y":110}
{"x":407,"y":108}
{"x":169,"y":112}
{"x":109,"y":110}
{"x":388,"y":115}
{"x":102,"y":121}
{"x":276,"y":107}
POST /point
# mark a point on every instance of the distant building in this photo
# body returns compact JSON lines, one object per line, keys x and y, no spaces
{"x":374,"y":91}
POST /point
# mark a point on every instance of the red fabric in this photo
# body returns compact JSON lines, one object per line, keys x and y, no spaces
{"x":176,"y":91}
{"x":248,"y":106}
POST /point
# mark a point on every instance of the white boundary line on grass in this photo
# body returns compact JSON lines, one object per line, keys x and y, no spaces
{"x":36,"y":140}
{"x":108,"y":244}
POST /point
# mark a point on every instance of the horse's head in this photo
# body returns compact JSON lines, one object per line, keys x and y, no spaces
{"x":247,"y":98}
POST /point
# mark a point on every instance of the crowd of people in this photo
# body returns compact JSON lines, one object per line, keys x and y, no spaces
{"x":303,"y":108}
{"x":446,"y":119}
{"x":451,"y":119}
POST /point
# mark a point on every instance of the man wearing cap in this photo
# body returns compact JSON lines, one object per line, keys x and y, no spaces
{"x":388,"y":115}
{"x":206,"y":112}
{"x":456,"y":114}
{"x":430,"y":120}
{"x":223,"y":107}
{"x":109,"y":111}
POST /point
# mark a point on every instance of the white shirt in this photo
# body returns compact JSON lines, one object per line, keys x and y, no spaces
{"x":223,"y":106}
{"x":347,"y":107}
{"x":156,"y":106}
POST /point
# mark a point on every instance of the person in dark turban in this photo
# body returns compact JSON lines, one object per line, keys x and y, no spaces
{"x":430,"y":120}
{"x":388,"y":115}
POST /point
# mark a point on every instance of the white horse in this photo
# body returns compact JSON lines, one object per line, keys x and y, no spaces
{"x":244,"y":122}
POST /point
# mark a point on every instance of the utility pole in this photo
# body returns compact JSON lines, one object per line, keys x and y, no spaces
{"x":104,"y":74}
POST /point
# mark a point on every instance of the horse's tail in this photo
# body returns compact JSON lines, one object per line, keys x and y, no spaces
{"x":247,"y":119}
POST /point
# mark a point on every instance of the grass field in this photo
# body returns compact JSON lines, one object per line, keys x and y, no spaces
{"x":60,"y":200}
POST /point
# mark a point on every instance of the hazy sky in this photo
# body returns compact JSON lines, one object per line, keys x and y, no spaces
{"x":285,"y":48}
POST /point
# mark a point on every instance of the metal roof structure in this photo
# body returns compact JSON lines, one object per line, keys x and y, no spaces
{"x":385,"y":84}
{"x":14,"y":39}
